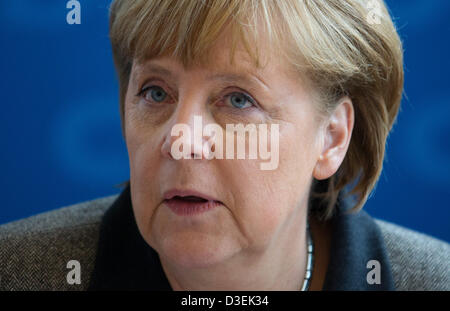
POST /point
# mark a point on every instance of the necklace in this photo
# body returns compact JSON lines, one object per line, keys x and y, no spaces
{"x":310,"y":260}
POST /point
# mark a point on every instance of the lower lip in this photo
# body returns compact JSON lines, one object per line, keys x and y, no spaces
{"x":184,"y":208}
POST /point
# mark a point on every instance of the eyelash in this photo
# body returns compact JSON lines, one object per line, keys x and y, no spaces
{"x":142,"y":92}
{"x":247,"y":97}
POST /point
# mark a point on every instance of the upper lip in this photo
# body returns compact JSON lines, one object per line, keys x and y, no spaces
{"x":185,"y":193}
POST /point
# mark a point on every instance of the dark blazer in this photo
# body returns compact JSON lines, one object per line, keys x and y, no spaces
{"x":103,"y":237}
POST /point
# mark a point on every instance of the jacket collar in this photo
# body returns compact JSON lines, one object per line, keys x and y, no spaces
{"x":356,"y":243}
{"x":125,"y":261}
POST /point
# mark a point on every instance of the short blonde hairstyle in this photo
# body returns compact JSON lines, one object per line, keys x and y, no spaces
{"x":343,"y":47}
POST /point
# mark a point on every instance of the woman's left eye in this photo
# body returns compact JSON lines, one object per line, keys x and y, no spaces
{"x":240,"y":100}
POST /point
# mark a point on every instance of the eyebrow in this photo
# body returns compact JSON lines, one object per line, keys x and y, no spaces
{"x":223,"y":77}
{"x":233,"y":78}
{"x":158,"y":69}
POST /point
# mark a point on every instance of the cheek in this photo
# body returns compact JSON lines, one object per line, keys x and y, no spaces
{"x":301,"y":142}
{"x":144,"y":162}
{"x":143,"y":139}
{"x":265,"y":200}
{"x":298,"y":149}
{"x":263,"y":204}
{"x":142,"y":154}
{"x":253,"y":206}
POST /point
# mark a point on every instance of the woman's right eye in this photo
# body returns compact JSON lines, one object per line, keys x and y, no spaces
{"x":153,"y":93}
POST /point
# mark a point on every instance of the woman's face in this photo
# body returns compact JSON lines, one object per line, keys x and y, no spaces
{"x":258,"y":208}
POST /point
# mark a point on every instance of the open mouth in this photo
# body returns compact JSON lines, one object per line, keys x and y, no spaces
{"x":187,"y":205}
{"x":190,"y":198}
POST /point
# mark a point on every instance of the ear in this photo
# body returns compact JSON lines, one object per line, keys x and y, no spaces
{"x":336,"y":139}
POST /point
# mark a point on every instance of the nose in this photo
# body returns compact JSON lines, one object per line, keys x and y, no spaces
{"x":184,"y":137}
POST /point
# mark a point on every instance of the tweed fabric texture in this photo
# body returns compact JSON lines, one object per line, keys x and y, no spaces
{"x":34,"y":251}
{"x":418,"y":261}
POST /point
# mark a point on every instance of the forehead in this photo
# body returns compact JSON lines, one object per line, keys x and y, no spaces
{"x":217,"y":67}
{"x":239,"y":53}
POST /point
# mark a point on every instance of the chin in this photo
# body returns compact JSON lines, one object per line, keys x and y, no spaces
{"x":195,"y":250}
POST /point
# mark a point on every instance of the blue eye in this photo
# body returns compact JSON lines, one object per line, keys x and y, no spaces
{"x":240,"y":100}
{"x":154,"y":93}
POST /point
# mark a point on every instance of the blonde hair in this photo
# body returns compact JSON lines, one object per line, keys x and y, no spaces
{"x":339,"y":45}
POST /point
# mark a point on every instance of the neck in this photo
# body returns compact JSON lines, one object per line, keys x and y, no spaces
{"x":281,"y":266}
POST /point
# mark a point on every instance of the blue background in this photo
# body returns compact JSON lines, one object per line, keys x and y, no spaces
{"x":61,"y":141}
